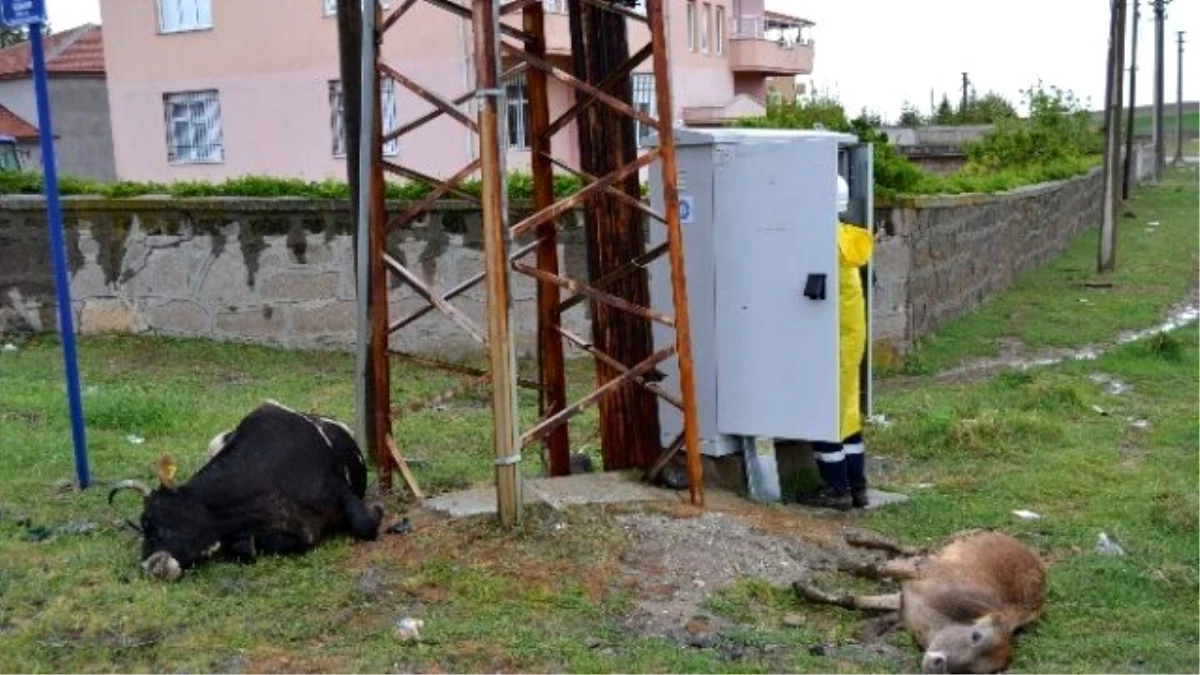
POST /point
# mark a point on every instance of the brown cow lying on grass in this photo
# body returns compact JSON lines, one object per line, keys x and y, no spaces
{"x":962,"y":603}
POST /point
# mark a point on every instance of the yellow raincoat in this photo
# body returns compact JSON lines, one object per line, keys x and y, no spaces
{"x":854,"y":250}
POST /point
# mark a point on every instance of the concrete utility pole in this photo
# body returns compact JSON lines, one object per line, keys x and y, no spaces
{"x":1128,"y":168}
{"x":1107,"y":255}
{"x":1179,"y":100}
{"x":1159,"y":149}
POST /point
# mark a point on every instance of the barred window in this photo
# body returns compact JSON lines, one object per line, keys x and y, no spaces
{"x":644,"y":101}
{"x":331,"y":6}
{"x":387,"y":108}
{"x":517,"y":111}
{"x":194,"y":127}
{"x":177,"y":16}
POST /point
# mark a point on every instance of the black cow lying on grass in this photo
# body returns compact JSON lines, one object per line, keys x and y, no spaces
{"x":279,"y":482}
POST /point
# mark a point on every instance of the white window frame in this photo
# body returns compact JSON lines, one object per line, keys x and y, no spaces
{"x":184,"y":16}
{"x":337,"y":116}
{"x":706,"y":28}
{"x":645,"y":100}
{"x":720,"y":30}
{"x":202,"y":127}
{"x":329,"y":7}
{"x":516,"y":112}
{"x":691,"y":25}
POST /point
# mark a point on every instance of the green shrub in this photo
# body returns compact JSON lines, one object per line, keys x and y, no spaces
{"x":1054,"y":143}
{"x":520,"y":186}
{"x":1056,"y":132}
{"x":894,"y":173}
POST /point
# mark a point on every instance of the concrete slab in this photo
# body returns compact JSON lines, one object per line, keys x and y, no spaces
{"x":879,"y":498}
{"x":558,"y":493}
{"x":475,"y":502}
{"x":597,"y":488}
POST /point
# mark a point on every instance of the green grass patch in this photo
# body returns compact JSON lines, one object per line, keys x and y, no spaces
{"x":1034,"y":441}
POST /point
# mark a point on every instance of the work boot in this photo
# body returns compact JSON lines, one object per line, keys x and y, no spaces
{"x":826,"y":498}
{"x":856,"y":470}
{"x":859,"y":499}
{"x":831,"y":463}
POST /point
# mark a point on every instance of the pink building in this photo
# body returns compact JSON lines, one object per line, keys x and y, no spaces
{"x":211,"y":89}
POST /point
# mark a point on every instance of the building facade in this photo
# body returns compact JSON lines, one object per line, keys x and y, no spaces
{"x":213,"y":89}
{"x":83,"y":144}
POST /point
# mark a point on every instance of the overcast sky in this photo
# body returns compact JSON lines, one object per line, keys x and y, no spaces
{"x":878,"y":53}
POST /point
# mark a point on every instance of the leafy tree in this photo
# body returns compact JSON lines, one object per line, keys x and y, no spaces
{"x":989,"y":109}
{"x":910,"y":116}
{"x":945,"y":112}
{"x":14,"y":35}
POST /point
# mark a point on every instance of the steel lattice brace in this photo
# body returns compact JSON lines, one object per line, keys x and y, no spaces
{"x":494,"y":42}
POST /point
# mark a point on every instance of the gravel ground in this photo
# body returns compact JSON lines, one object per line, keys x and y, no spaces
{"x":677,"y":564}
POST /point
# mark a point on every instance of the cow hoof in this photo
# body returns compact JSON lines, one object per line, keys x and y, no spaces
{"x":402,"y":526}
{"x":161,"y":565}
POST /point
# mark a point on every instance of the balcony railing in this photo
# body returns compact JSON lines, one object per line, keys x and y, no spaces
{"x":560,"y":6}
{"x":759,"y":27}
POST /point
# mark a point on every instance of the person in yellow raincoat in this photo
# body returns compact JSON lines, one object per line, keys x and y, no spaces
{"x":843,"y":465}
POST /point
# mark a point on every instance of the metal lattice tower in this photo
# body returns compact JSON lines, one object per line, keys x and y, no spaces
{"x":602,"y":96}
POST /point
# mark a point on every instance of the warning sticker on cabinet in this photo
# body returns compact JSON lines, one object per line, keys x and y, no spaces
{"x":686,"y":210}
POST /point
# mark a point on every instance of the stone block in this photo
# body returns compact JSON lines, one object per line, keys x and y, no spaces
{"x":225,"y":280}
{"x":107,"y":316}
{"x":299,"y":286}
{"x":328,"y":318}
{"x":156,"y":272}
{"x":252,"y":322}
{"x":177,"y":316}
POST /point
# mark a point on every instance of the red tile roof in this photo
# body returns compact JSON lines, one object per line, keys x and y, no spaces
{"x":79,"y":51}
{"x":11,"y":124}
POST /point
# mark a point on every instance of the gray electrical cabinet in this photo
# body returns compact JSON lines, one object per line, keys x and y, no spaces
{"x":759,"y":218}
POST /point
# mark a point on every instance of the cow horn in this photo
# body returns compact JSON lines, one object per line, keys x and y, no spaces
{"x":165,"y":469}
{"x":131,"y":484}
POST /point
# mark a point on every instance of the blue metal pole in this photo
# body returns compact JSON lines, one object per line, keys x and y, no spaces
{"x":66,"y":324}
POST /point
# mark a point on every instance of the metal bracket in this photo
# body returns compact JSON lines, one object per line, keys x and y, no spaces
{"x":506,"y":461}
{"x":484,"y":93}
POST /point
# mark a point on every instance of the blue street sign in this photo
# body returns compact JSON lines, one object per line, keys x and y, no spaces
{"x":22,"y":12}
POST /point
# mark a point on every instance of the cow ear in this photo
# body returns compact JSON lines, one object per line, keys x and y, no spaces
{"x":165,"y":469}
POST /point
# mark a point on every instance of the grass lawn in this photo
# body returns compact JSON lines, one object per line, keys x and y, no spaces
{"x":1144,"y":123}
{"x":554,"y":596}
{"x":1060,"y":305}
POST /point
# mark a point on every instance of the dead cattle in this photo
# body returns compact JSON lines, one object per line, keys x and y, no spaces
{"x":279,"y":482}
{"x":962,"y":603}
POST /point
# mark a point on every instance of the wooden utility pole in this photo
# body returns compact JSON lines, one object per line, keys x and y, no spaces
{"x":1159,"y":146}
{"x":1127,"y":178}
{"x":966,"y":83}
{"x":1107,"y":256}
{"x":1179,"y":100}
{"x":629,"y":428}
{"x":551,"y":367}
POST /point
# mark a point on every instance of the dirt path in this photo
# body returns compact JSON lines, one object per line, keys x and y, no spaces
{"x":1017,"y":358}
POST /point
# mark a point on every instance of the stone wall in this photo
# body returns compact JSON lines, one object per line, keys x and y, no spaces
{"x":940,"y":256}
{"x":937,"y":257}
{"x":281,"y":271}
{"x":267,"y":271}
